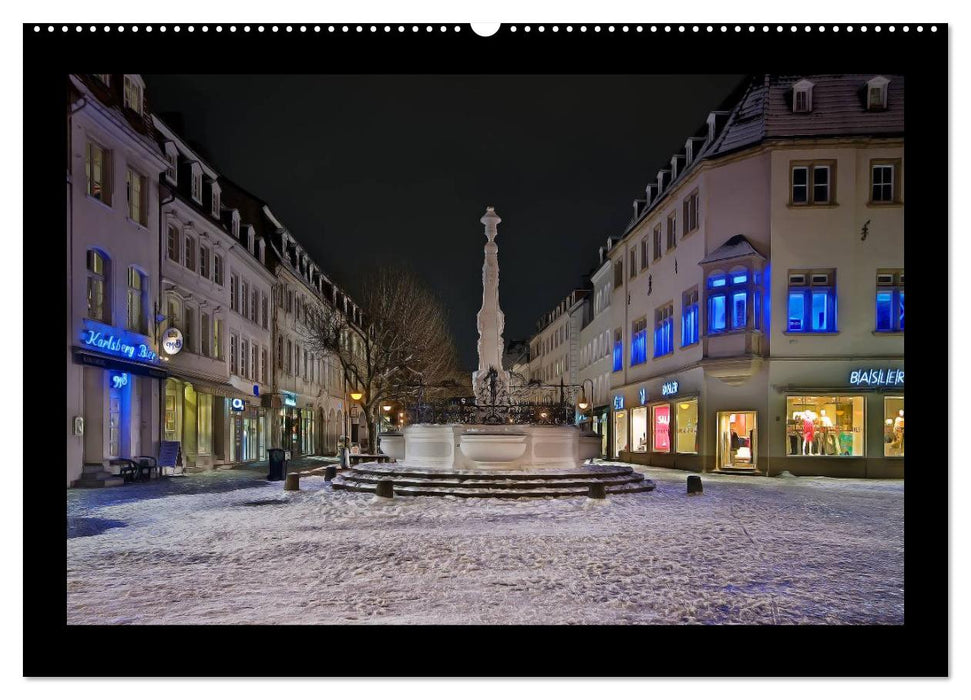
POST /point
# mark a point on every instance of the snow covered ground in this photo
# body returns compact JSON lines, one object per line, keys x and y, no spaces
{"x":229,"y":547}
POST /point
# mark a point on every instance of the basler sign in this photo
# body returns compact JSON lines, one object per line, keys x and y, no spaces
{"x":877,"y":377}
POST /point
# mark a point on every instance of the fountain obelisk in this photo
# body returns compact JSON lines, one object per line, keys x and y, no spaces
{"x":490,"y":382}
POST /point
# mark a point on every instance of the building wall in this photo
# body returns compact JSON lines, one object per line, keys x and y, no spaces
{"x":94,"y":224}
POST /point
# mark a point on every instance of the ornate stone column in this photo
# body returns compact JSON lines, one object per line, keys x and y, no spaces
{"x":490,"y":382}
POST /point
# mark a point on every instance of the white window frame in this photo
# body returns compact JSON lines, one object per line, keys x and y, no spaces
{"x":877,"y":83}
{"x":803,"y":88}
{"x":197,"y":183}
{"x":134,"y":93}
{"x":135,"y":180}
{"x":172,"y":156}
{"x":216,"y":194}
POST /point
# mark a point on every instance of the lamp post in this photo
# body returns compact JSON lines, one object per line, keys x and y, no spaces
{"x":355,"y":395}
{"x":583,"y":404}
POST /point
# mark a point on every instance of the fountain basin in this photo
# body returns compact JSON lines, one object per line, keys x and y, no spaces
{"x":590,"y":445}
{"x":393,"y":445}
{"x":492,"y":449}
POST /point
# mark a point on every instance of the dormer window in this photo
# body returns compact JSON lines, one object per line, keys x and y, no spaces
{"x":104,"y":78}
{"x":262,"y":248}
{"x":802,"y":96}
{"x":215,"y":201}
{"x":172,"y":156}
{"x":250,"y":239}
{"x":876,"y":93}
{"x":197,"y":182}
{"x":235,"y":224}
{"x":134,"y":89}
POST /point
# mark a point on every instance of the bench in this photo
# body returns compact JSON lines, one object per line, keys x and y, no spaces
{"x":126,"y":469}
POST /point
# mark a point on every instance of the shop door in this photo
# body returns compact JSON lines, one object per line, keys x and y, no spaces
{"x":737,"y":437}
{"x":620,"y":433}
{"x":114,"y":423}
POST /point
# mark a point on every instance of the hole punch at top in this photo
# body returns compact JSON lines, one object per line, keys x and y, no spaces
{"x":485,"y":28}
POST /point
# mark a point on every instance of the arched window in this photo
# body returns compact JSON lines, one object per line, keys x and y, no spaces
{"x":137,"y":294}
{"x":97,"y":286}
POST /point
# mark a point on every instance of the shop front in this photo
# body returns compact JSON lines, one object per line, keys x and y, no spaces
{"x":600,"y":424}
{"x":663,"y":423}
{"x":117,"y":412}
{"x":248,"y":431}
{"x":848,"y":422}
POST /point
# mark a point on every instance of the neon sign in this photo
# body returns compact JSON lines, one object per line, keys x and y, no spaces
{"x":289,"y":399}
{"x":113,"y":342}
{"x":642,"y":393}
{"x":237,"y":404}
{"x":669,"y":388}
{"x":618,"y":402}
{"x":877,"y":377}
{"x":119,"y":380}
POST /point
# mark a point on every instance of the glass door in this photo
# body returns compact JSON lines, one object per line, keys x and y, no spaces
{"x":737,"y":437}
{"x":621,"y":443}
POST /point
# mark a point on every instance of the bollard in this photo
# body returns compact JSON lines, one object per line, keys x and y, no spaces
{"x":330,"y":473}
{"x":292,"y":483}
{"x":694,"y":485}
{"x":385,"y":489}
{"x":597,"y":490}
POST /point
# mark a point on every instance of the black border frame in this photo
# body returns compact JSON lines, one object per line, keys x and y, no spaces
{"x":919,"y":647}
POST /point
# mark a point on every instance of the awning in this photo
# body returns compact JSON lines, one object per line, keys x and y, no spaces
{"x":216,"y":388}
{"x":86,"y":357}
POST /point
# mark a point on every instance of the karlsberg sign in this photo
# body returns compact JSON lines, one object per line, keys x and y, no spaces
{"x":172,"y":341}
{"x":877,"y":377}
{"x":112,"y":341}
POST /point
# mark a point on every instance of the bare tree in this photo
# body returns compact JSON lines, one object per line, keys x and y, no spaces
{"x":402,"y":346}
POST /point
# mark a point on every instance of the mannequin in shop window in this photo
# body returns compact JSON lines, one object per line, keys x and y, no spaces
{"x":827,"y":435}
{"x":808,"y":432}
{"x":898,"y":431}
{"x":642,"y":445}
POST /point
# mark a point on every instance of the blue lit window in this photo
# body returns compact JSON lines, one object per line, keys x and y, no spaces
{"x":728,"y":301}
{"x":689,"y":318}
{"x":618,"y":351}
{"x":664,"y":330}
{"x":811,"y":307}
{"x":638,"y":344}
{"x":890,"y":302}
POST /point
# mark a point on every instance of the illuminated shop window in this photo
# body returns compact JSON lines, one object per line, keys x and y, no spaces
{"x":661,"y":428}
{"x":638,"y":429}
{"x":686,"y":439}
{"x":825,"y":426}
{"x":893,"y":426}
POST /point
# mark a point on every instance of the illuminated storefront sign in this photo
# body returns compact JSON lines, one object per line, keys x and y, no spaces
{"x":669,"y":388}
{"x":112,"y":341}
{"x":238,"y":404}
{"x":877,"y":377}
{"x":618,"y":402}
{"x":172,"y":341}
{"x":119,"y":380}
{"x":289,"y":399}
{"x":642,"y":394}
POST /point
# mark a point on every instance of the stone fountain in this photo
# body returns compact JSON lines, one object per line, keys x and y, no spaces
{"x":492,"y":457}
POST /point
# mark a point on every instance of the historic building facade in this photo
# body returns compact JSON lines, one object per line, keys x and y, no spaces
{"x":215,"y":300}
{"x":756,"y":299}
{"x":113,"y":364}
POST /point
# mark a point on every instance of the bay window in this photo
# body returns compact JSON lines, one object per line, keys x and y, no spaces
{"x":728,"y":299}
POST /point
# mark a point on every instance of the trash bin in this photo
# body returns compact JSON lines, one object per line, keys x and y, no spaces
{"x":278,"y":464}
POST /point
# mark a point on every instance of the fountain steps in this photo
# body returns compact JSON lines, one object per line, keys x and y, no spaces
{"x":493,"y":484}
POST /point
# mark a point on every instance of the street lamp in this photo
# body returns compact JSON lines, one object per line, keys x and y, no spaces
{"x":355,"y":395}
{"x":583,"y":403}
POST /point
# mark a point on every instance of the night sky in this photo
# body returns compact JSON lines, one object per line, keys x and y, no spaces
{"x":367,"y":169}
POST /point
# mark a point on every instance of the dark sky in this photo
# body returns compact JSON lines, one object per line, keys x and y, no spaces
{"x":366,"y":169}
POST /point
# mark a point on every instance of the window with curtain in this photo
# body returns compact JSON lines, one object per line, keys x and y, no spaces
{"x":638,"y":343}
{"x":811,"y":305}
{"x":664,"y":330}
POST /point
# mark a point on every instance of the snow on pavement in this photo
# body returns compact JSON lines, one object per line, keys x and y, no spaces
{"x":229,"y":547}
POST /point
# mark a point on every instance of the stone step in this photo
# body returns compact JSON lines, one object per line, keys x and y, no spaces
{"x":554,"y":492}
{"x":492,"y":483}
{"x":92,"y":482}
{"x":751,"y":471}
{"x":590,"y":472}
